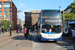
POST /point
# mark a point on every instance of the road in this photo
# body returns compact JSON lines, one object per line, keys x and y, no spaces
{"x":65,"y":44}
{"x":17,"y":42}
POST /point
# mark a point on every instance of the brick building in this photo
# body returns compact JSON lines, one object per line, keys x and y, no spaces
{"x":7,"y":10}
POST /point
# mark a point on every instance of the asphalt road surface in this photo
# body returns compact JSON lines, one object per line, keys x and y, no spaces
{"x":65,"y":44}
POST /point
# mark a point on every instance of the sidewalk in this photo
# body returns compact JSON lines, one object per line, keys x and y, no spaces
{"x":15,"y":42}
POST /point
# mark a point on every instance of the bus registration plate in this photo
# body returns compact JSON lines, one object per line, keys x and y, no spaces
{"x":51,"y":40}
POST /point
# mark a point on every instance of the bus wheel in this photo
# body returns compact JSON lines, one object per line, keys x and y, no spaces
{"x":55,"y":41}
{"x":63,"y":33}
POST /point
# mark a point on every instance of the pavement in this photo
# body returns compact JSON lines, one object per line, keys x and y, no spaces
{"x":15,"y":42}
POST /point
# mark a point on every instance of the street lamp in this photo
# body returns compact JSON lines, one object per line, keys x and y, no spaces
{"x":10,"y":30}
{"x":59,"y":8}
{"x":10,"y":22}
{"x":63,"y":11}
{"x":10,"y":19}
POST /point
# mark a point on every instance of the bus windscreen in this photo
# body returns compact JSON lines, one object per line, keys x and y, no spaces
{"x":48,"y":28}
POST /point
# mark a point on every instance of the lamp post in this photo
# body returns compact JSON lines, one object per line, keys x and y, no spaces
{"x":63,"y":11}
{"x":59,"y":8}
{"x":10,"y":19}
{"x":10,"y":22}
{"x":10,"y":30}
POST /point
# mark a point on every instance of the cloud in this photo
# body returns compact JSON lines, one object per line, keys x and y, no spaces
{"x":22,"y":5}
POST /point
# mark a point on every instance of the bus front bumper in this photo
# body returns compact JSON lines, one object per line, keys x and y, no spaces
{"x":50,"y":39}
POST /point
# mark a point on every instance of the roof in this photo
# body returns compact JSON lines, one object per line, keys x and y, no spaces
{"x":71,"y":22}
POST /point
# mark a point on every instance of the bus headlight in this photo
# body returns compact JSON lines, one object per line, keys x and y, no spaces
{"x":59,"y":20}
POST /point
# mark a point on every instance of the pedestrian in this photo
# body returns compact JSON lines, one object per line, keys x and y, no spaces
{"x":34,"y":30}
{"x":20,"y":30}
{"x":25,"y":32}
{"x":17,"y":31}
{"x":2,"y":31}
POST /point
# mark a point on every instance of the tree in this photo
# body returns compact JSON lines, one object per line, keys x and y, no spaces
{"x":12,"y":25}
{"x":70,"y":15}
{"x":6,"y":24}
{"x":72,"y":7}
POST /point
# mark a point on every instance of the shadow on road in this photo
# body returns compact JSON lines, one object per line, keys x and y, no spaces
{"x":18,"y":37}
{"x":30,"y":37}
{"x":21,"y":37}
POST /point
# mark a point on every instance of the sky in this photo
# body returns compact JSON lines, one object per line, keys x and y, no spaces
{"x":27,"y":5}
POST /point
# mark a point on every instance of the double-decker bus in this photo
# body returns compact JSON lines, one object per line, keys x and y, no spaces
{"x":50,"y":27}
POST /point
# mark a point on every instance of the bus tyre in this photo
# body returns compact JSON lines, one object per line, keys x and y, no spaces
{"x":63,"y":33}
{"x":57,"y":41}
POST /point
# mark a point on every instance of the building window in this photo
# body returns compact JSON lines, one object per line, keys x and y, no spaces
{"x":6,"y":11}
{"x":0,"y":20}
{"x":7,"y":19}
{"x":6,"y":16}
{"x":0,"y":5}
{"x":6,"y":5}
{"x":0,"y":11}
{"x":0,"y":16}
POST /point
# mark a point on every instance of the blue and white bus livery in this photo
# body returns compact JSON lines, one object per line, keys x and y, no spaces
{"x":50,"y":25}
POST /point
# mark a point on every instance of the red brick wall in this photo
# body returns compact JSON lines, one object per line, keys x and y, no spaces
{"x":14,"y":15}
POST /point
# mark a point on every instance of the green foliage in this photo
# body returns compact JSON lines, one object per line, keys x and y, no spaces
{"x":6,"y":24}
{"x":12,"y":25}
{"x":69,"y":16}
{"x":72,"y":7}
